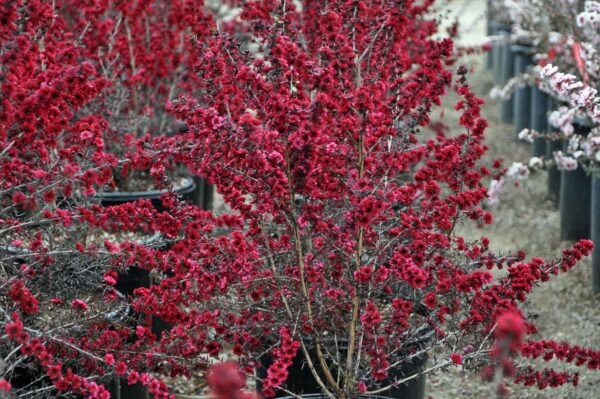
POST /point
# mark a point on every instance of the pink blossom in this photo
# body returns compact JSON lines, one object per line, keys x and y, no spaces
{"x":86,"y":134}
{"x":493,"y":193}
{"x":567,"y":86}
{"x":564,"y":162}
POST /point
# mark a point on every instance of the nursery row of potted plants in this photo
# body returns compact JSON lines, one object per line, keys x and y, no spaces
{"x":338,"y":272}
{"x":561,"y":131}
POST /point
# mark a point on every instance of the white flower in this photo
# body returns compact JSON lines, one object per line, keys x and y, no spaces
{"x":518,"y":171}
{"x":568,"y":129}
{"x":573,"y":144}
{"x":494,"y":190}
{"x":585,"y":96}
{"x":548,"y":71}
{"x":536,"y":163}
{"x":497,"y":93}
{"x":586,"y":147}
{"x":525,"y":135}
{"x":564,"y":162}
{"x":595,"y":141}
{"x":555,"y":38}
{"x":573,"y":86}
{"x":592,"y":6}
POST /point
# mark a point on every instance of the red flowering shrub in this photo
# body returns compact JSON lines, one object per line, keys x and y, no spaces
{"x":311,"y":122}
{"x":348,"y":212}
{"x":143,"y":50}
{"x":60,"y":252}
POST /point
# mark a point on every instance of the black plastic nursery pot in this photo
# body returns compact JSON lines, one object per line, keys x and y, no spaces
{"x":135,"y":277}
{"x":127,"y":282}
{"x":576,"y":195}
{"x":119,"y":389}
{"x":506,"y":73}
{"x":497,"y":56}
{"x":575,"y":204}
{"x":498,"y":51}
{"x":203,"y":194}
{"x":301,"y":381}
{"x":195,"y":190}
{"x":27,"y":376}
{"x":109,"y":198}
{"x":491,"y":56}
{"x":554,"y":175}
{"x":523,"y":58}
{"x":540,"y":105}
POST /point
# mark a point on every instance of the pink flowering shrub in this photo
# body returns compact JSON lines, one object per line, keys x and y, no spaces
{"x":311,"y":122}
{"x":578,"y":94}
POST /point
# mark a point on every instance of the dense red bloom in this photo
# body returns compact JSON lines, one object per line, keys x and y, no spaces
{"x":23,"y":297}
{"x":313,"y":123}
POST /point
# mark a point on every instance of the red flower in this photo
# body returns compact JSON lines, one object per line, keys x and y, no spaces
{"x":49,"y":196}
{"x":213,"y":348}
{"x":5,"y":386}
{"x":78,"y":304}
{"x":430,"y":300}
{"x":54,"y":371}
{"x":109,"y":359}
{"x":18,"y":197}
{"x":510,"y":324}
{"x":456,"y":358}
{"x":225,"y":380}
{"x":121,"y":368}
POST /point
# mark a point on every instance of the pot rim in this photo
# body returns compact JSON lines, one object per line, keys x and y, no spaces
{"x":116,"y":196}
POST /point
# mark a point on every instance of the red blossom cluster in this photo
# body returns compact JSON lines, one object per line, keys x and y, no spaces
{"x":509,"y":331}
{"x":312,"y":120}
{"x":228,"y":382}
{"x":283,"y":356}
